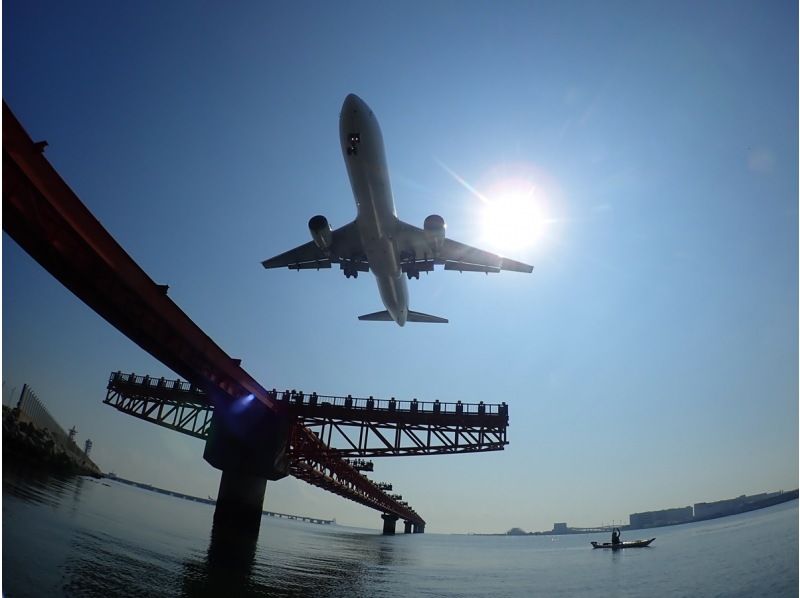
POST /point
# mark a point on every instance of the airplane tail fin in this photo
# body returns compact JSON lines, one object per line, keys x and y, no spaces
{"x":413,"y":316}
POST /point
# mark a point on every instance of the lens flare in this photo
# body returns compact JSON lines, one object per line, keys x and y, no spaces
{"x":516,"y":206}
{"x":239,"y":405}
{"x":513,"y":217}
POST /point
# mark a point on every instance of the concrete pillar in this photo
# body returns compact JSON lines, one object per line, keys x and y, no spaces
{"x":389,"y":522}
{"x":248,"y":443}
{"x":408,"y":527}
{"x":240,"y":500}
{"x":419,"y":528}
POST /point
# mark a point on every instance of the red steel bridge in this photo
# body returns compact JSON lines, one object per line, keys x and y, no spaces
{"x":322,"y":440}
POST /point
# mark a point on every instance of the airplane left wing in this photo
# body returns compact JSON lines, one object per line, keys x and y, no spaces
{"x":300,"y":258}
{"x":453,"y":255}
{"x":345,"y":248}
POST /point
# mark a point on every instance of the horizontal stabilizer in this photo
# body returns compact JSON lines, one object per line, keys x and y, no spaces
{"x":415,"y":316}
{"x":378,"y":316}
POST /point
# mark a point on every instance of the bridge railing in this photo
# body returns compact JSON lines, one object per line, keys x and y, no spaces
{"x":392,"y":404}
{"x":299,"y":398}
{"x":150,"y":382}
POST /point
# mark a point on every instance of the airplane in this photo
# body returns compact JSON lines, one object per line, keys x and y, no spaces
{"x":377,"y":240}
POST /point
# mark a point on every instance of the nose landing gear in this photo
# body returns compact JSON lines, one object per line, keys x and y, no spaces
{"x":355,"y":139}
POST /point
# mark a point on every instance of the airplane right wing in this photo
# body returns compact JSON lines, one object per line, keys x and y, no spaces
{"x":452,"y":254}
{"x":458,"y":256}
{"x":345,"y":248}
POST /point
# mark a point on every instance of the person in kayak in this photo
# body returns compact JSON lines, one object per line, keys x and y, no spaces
{"x":615,"y":537}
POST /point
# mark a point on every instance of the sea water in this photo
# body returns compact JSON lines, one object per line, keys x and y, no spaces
{"x":87,"y":537}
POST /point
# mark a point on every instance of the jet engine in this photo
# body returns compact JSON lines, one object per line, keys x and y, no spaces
{"x":321,"y":232}
{"x":435,"y":231}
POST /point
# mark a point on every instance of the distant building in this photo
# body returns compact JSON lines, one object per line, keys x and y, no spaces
{"x":730,"y":506}
{"x":664,"y":517}
{"x":560,"y":528}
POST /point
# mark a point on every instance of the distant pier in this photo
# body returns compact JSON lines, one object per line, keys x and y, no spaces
{"x":211,"y":501}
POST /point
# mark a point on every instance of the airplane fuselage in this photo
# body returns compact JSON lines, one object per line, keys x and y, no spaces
{"x":362,"y":149}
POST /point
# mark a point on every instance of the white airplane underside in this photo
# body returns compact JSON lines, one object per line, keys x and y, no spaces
{"x":377,"y":241}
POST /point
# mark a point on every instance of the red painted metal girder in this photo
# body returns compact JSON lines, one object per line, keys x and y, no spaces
{"x":43,"y":215}
{"x":321,"y":466}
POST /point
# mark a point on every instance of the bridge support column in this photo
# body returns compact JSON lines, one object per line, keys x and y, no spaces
{"x":248,"y":443}
{"x":419,"y":528}
{"x":389,"y":522}
{"x":408,"y":526}
{"x":240,"y":500}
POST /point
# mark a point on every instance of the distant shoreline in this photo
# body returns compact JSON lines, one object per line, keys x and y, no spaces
{"x":763,"y":504}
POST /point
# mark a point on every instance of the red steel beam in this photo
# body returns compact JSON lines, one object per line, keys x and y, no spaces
{"x":317,"y":464}
{"x":43,"y":215}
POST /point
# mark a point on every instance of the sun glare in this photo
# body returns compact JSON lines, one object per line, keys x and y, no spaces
{"x":511,"y":219}
{"x":514,"y":215}
{"x":516,"y":207}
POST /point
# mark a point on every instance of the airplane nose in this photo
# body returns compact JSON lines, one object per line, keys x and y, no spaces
{"x":352,"y":103}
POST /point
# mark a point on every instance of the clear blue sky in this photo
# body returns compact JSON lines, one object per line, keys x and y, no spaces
{"x":651,"y":359}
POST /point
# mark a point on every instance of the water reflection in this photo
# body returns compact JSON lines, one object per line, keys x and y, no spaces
{"x":37,"y":487}
{"x":292,"y":560}
{"x":97,"y":564}
{"x":227,"y":566}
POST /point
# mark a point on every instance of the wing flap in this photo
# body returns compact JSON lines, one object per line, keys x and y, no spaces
{"x":326,"y":263}
{"x":463,"y":267}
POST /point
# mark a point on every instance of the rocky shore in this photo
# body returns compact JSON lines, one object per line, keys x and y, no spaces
{"x":26,"y":444}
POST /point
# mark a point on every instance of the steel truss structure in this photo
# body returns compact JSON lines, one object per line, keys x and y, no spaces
{"x":184,"y":408}
{"x":317,"y":464}
{"x":328,"y":432}
{"x":365,"y":438}
{"x":369,"y":427}
{"x":353,"y":427}
{"x":183,"y":416}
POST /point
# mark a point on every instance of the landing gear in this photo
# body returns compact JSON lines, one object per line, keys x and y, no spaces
{"x":350,"y":271}
{"x":409,"y":261}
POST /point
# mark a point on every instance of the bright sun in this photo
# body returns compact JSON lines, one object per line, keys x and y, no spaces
{"x":513,"y":216}
{"x":516,"y":207}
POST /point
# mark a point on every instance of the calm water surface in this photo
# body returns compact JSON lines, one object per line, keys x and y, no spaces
{"x":85,"y":537}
